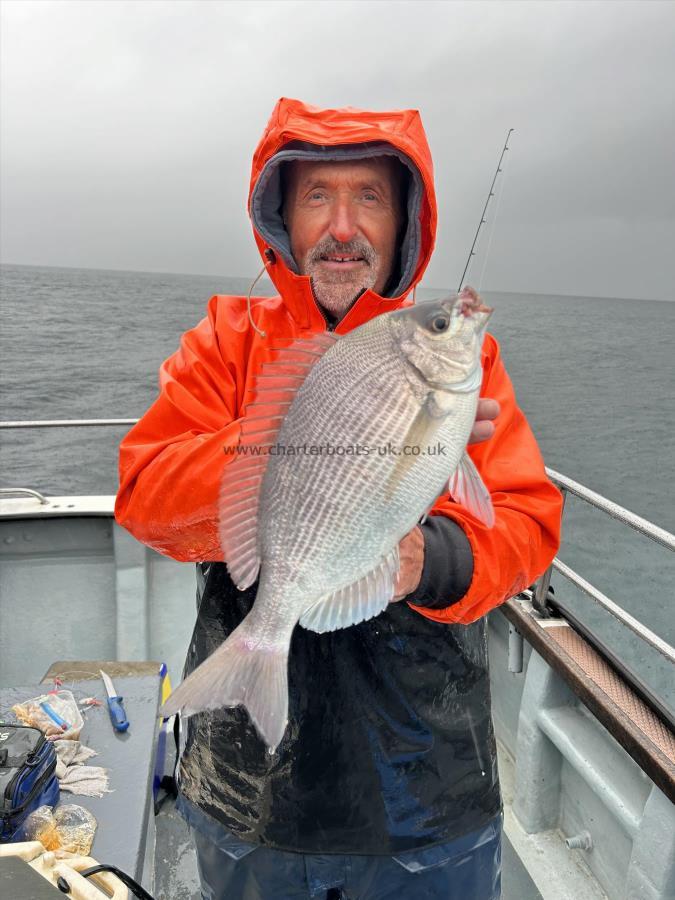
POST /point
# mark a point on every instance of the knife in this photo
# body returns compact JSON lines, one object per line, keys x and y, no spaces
{"x":115,"y":706}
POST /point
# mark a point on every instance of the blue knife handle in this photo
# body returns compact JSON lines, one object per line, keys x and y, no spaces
{"x":117,"y":714}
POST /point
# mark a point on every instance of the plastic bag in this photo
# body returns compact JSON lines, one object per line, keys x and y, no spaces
{"x":68,"y":827}
{"x":40,"y":826}
{"x":50,"y":713}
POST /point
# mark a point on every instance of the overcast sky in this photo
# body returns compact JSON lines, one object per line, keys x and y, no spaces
{"x":128,"y":129}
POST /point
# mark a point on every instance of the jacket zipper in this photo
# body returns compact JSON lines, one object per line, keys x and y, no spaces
{"x":329,"y":325}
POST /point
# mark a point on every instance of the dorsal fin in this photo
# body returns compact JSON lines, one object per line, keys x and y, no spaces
{"x":274,"y":389}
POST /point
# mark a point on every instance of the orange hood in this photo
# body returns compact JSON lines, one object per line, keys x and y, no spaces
{"x":299,"y":131}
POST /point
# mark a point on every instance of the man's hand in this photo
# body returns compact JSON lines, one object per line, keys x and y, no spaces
{"x":483,"y":427}
{"x":411,"y":556}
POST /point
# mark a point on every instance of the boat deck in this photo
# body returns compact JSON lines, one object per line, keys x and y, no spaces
{"x":587,"y":771}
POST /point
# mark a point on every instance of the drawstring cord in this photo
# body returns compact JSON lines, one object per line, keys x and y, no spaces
{"x":270,"y":260}
{"x":248,"y":301}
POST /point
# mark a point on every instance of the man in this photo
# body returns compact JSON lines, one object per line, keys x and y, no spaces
{"x":385,"y":783}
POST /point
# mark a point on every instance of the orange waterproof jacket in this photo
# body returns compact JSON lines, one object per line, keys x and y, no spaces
{"x":172,"y":461}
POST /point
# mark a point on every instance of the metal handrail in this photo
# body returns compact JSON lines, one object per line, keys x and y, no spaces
{"x":656,"y":533}
{"x":621,"y":514}
{"x":6,"y":492}
{"x":567,"y":485}
{"x":660,"y":535}
{"x":625,"y":618}
{"x":58,"y":423}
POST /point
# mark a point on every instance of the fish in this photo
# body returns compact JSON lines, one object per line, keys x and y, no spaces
{"x":347,"y":443}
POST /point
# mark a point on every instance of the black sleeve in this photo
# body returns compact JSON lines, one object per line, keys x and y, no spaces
{"x":448,"y":564}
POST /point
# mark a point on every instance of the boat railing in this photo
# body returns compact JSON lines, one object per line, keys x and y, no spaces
{"x":65,"y":423}
{"x":570,"y":651}
{"x":542,"y":598}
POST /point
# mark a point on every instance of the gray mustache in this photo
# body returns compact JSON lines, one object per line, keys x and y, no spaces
{"x":351,"y":248}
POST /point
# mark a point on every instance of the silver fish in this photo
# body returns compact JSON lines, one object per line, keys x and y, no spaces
{"x":336,"y":467}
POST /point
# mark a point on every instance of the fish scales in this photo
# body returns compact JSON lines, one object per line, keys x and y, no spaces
{"x":357,"y":389}
{"x":328,"y":521}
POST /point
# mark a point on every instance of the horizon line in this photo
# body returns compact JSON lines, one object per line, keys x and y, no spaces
{"x":247,"y":278}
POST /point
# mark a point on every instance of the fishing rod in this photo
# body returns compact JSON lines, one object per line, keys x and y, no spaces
{"x":483,"y":220}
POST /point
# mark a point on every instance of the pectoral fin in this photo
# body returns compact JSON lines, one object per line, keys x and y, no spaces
{"x":466,"y":487}
{"x":419,"y":435}
{"x":356,"y":602}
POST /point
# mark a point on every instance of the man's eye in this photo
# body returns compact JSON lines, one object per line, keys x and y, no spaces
{"x":370,"y":196}
{"x":316,"y":195}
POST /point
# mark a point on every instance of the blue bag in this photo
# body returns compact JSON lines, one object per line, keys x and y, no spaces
{"x":27,"y":777}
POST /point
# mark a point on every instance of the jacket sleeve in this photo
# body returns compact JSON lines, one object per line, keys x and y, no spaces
{"x":171,"y":462}
{"x":448,"y":564}
{"x":526,"y":534}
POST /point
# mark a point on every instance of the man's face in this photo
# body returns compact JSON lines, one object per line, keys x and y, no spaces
{"x":342,"y":219}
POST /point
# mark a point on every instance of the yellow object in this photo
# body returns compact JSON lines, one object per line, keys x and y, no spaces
{"x":166,"y":687}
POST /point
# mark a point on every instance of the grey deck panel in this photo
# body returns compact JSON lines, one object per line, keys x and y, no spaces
{"x":122,"y":815}
{"x":516,"y":882}
{"x":176,"y":875}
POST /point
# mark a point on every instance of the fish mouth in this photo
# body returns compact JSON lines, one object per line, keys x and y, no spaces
{"x":469,"y":302}
{"x":468,"y":309}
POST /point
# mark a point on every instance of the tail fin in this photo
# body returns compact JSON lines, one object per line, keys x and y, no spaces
{"x":243,"y":671}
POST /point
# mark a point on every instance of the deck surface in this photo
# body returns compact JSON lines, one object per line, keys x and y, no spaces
{"x":122,"y":815}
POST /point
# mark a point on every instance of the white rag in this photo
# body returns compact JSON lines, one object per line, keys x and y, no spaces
{"x":74,"y":776}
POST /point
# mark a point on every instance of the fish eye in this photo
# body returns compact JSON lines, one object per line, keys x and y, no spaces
{"x":439,"y":324}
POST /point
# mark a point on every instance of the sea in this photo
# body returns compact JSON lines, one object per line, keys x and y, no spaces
{"x":595,"y":377}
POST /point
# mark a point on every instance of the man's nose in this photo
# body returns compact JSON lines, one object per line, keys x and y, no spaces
{"x":343,"y":224}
